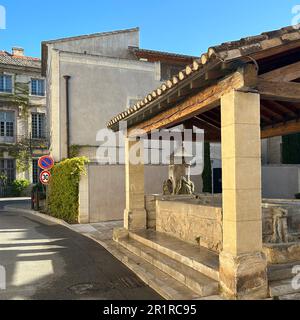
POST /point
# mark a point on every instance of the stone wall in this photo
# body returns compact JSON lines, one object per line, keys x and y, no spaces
{"x":150,"y":206}
{"x":192,"y":222}
{"x":102,"y":191}
{"x":198,"y":219}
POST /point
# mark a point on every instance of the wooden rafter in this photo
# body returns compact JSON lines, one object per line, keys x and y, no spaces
{"x":279,"y":90}
{"x":281,"y":129}
{"x":273,"y":114}
{"x":292,"y":106}
{"x":215,"y":114}
{"x":201,"y":102}
{"x":274,"y":105}
{"x":265,"y":118}
{"x":211,"y":133}
{"x":286,"y":73}
{"x":210,"y":119}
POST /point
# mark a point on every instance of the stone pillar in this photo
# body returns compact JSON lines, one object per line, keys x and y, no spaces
{"x":242,"y":263}
{"x":135,"y":214}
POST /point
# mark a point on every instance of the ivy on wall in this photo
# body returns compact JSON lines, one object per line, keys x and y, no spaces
{"x":291,"y":149}
{"x":63,"y":190}
{"x":21,"y":150}
{"x":20,"y":98}
{"x":206,"y":175}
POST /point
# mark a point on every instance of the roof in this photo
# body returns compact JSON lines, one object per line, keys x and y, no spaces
{"x":145,"y":53}
{"x":249,"y":48}
{"x":86,"y":36}
{"x":92,"y":35}
{"x":20,"y":61}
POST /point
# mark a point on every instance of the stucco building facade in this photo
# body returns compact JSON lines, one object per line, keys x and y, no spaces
{"x":23,"y":137}
{"x":89,"y":79}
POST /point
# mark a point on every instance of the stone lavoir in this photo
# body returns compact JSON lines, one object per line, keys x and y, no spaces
{"x":237,"y":246}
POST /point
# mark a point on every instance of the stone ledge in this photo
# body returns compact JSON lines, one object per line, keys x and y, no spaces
{"x":282,"y":253}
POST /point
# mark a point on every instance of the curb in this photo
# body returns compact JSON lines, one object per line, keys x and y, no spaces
{"x":41,"y":215}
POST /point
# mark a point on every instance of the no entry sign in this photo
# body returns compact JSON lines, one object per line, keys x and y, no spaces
{"x":45,"y":177}
{"x":46,"y":162}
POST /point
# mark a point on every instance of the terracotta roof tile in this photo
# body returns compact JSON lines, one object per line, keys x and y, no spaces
{"x":22,"y":61}
{"x":226,"y":51}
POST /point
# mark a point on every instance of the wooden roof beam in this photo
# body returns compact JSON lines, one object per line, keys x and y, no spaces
{"x":278,"y":106}
{"x":286,"y":73}
{"x":265,"y":118}
{"x":273,"y":114}
{"x":210,"y":120}
{"x":205,"y":100}
{"x":279,"y":90}
{"x":281,"y":130}
{"x":211,"y":133}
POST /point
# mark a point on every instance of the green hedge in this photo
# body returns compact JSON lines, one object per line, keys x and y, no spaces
{"x":19,"y":186}
{"x":64,"y":188}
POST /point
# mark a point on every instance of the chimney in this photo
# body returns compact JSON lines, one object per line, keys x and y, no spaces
{"x":16,"y":51}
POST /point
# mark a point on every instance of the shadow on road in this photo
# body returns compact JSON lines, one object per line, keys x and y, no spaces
{"x":47,"y":261}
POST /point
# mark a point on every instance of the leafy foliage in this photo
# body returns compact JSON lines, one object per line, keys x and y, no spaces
{"x":20,"y":150}
{"x":63,"y":189}
{"x":74,"y":151}
{"x":18,"y":186}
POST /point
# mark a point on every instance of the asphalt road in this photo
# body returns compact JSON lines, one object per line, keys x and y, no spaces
{"x":47,"y":261}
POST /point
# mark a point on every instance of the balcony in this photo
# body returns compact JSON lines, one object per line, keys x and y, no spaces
{"x":25,"y":142}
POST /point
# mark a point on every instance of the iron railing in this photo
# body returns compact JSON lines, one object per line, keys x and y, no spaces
{"x":25,"y":142}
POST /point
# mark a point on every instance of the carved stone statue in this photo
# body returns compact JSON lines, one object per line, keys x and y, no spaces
{"x":177,"y":183}
{"x":280,"y":229}
{"x":184,"y":187}
{"x":168,"y":187}
{"x":280,"y":233}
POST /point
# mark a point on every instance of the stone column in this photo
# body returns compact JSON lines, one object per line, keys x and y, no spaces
{"x":242,"y":263}
{"x":135,"y":213}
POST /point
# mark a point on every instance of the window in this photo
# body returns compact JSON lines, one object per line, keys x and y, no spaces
{"x":38,"y":87}
{"x":8,"y":169}
{"x":35,"y":171}
{"x":7,"y":120}
{"x":38,"y":125}
{"x":5,"y":83}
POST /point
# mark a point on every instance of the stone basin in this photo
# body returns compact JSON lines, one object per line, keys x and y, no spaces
{"x":198,"y":219}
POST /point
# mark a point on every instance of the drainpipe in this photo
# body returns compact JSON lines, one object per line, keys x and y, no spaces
{"x":67,"y":79}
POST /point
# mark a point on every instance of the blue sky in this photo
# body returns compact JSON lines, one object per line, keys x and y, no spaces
{"x":189,"y":26}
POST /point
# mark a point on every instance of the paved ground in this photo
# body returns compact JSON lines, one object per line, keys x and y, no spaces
{"x":44,"y":260}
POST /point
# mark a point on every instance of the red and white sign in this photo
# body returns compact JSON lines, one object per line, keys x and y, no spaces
{"x":46,"y":162}
{"x":45,"y":177}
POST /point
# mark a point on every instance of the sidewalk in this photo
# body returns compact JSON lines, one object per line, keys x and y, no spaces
{"x":102,"y":232}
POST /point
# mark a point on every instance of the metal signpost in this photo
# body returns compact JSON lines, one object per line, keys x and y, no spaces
{"x":46,"y":163}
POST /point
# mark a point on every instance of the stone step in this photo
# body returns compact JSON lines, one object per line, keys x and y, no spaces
{"x":194,"y":280}
{"x":163,"y":284}
{"x":295,"y":296}
{"x":278,"y":272}
{"x":282,"y":288}
{"x":198,"y":258}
